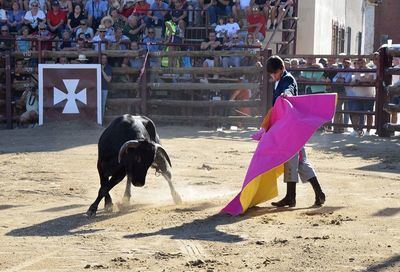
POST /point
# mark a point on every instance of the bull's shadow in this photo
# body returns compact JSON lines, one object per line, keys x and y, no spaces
{"x":67,"y":225}
{"x":199,"y":229}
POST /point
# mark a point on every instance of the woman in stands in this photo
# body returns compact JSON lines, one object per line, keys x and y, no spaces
{"x":74,"y":19}
{"x":15,"y":17}
{"x":34,"y":16}
{"x":66,"y":6}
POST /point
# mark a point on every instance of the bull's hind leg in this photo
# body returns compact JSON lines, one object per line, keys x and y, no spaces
{"x":104,"y":191}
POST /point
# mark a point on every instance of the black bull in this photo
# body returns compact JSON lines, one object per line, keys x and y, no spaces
{"x":128,"y":147}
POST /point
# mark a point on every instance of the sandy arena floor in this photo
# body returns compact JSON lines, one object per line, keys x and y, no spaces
{"x":49,"y":179}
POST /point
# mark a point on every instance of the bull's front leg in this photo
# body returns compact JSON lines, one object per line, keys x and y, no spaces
{"x":103,"y":192}
{"x":127,"y":194}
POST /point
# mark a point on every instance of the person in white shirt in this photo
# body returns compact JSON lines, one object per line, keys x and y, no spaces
{"x":232,"y":27}
{"x":34,"y":16}
{"x":221,"y":29}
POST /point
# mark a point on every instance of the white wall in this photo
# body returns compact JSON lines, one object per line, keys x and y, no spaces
{"x":314,"y":34}
{"x":368,"y":29}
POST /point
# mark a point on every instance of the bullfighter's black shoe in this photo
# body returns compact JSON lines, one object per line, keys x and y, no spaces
{"x":290,"y":198}
{"x":319,"y":195}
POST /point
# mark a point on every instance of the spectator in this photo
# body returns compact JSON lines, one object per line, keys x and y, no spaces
{"x":235,"y":44}
{"x":34,"y":16}
{"x":158,"y":11}
{"x":194,"y":16}
{"x":66,"y":42}
{"x":101,"y":38}
{"x":63,"y":60}
{"x":23,"y":44}
{"x":264,"y":6}
{"x":74,"y":19}
{"x":42,"y":5}
{"x":81,"y":59}
{"x":254,"y":46}
{"x":210,"y":44}
{"x":134,"y":29}
{"x":360,"y":105}
{"x":95,"y":11}
{"x":136,"y":62}
{"x":204,"y":6}
{"x":342,"y":77}
{"x":395,"y":81}
{"x":239,"y":7}
{"x":152,"y":44}
{"x":294,"y":64}
{"x":44,"y":36}
{"x":222,"y":7}
{"x":119,"y":40}
{"x":29,"y":102}
{"x":15,"y":17}
{"x":279,"y":8}
{"x":141,"y":9}
{"x":56,"y":19}
{"x":310,"y":76}
{"x":7,"y":43}
{"x":232,"y":27}
{"x":108,"y":22}
{"x":221,"y":30}
{"x":105,"y":80}
{"x":257,"y":23}
{"x":66,"y":6}
{"x":119,"y":20}
{"x":85,"y":30}
{"x":179,"y":14}
{"x":127,"y":9}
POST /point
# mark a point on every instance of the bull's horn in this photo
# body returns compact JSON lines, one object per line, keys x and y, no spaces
{"x":125,"y":146}
{"x":161,"y":149}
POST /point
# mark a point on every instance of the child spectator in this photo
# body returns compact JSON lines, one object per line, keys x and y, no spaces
{"x":221,"y":30}
{"x":15,"y":17}
{"x":66,"y":41}
{"x":56,"y":19}
{"x":23,"y":45}
{"x":232,"y":27}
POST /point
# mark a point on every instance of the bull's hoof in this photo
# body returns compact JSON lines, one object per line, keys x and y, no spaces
{"x":91,"y":213}
{"x":126,"y":201}
{"x":108,"y":208}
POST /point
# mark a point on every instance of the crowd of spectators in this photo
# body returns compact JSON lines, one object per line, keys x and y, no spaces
{"x":346,"y":84}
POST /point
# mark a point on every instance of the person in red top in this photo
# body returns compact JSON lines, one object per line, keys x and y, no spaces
{"x":56,"y":19}
{"x":141,"y":8}
{"x":257,"y":23}
{"x":127,"y":9}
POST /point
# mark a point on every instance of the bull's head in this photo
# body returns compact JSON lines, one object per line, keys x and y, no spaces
{"x":137,"y":156}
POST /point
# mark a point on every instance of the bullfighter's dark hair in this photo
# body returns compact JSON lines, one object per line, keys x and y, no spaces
{"x":275,"y":63}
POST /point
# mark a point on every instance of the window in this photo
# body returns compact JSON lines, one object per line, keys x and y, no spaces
{"x":338,"y":38}
{"x":348,"y":40}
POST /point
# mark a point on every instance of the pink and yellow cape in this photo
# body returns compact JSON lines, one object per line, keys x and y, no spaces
{"x":285,"y":130}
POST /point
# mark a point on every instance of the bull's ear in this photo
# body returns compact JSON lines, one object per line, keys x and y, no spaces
{"x":161,"y":159}
{"x":125,"y":146}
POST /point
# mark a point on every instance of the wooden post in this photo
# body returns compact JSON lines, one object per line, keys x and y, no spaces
{"x":9,"y":115}
{"x":39,"y":51}
{"x":266,"y":94}
{"x":382,"y":117}
{"x":143,"y":85}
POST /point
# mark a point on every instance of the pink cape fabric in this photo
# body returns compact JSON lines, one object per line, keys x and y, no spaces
{"x":293,"y":121}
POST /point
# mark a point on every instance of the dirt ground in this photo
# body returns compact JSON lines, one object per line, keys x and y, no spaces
{"x":49,"y":179}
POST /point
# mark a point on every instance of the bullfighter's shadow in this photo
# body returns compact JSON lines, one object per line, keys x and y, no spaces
{"x":69,"y":225}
